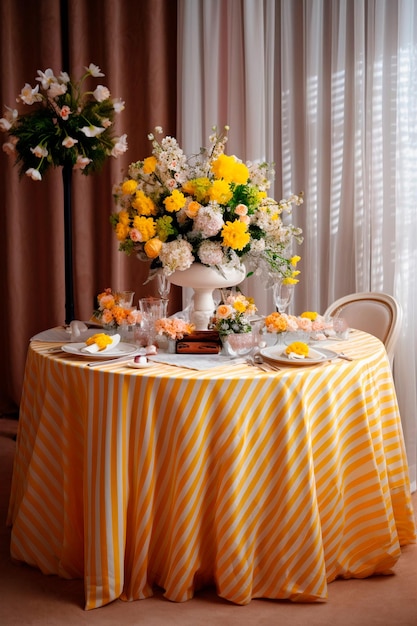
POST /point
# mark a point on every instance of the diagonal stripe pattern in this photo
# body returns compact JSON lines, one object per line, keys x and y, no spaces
{"x":266,"y":484}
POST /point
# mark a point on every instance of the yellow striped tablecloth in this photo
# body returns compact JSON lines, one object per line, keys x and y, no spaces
{"x":267,"y":485}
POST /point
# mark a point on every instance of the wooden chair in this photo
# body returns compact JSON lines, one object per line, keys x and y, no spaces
{"x":376,"y":313}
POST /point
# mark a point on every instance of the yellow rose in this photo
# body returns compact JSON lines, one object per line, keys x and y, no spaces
{"x":192,"y":209}
{"x":223,"y":311}
{"x":153,"y":248}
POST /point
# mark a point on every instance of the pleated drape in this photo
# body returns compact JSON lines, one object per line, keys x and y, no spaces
{"x":134,"y":44}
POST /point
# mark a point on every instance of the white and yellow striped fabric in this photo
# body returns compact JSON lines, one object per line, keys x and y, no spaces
{"x":267,"y":485}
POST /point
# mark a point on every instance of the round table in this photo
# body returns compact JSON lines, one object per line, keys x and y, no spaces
{"x":265,"y":484}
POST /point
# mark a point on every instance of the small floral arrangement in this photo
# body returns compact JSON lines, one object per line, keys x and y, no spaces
{"x":173,"y":328}
{"x":111,"y":313}
{"x":209,"y":208}
{"x":67,"y":126}
{"x":233,"y":315}
{"x":276,"y":323}
{"x":309,"y":321}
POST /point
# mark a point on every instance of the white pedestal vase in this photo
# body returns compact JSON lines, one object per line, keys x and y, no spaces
{"x":204,"y":280}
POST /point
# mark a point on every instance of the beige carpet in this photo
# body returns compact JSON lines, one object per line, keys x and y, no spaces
{"x":27,"y":597}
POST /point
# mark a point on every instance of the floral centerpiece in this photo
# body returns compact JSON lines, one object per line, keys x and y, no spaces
{"x":209,"y":208}
{"x":112,"y":314}
{"x":66,"y":126}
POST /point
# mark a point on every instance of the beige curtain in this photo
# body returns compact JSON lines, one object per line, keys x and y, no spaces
{"x":134,"y":44}
{"x":327,"y":91}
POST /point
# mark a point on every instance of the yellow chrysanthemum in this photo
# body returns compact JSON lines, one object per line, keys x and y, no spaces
{"x":297,"y":347}
{"x":175,"y":201}
{"x":220,"y":192}
{"x":149,"y":165}
{"x":235,"y":235}
{"x":239,"y":306}
{"x":122,"y":231}
{"x":294,"y":260}
{"x":129,"y":187}
{"x":310,"y":315}
{"x":124,"y":217}
{"x":143,"y":204}
{"x":230,"y":169}
{"x":146,"y":227}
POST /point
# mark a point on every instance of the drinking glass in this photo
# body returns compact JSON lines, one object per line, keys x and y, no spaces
{"x":126,"y":299}
{"x":282,"y":295}
{"x":341,"y":327}
{"x":152,"y":309}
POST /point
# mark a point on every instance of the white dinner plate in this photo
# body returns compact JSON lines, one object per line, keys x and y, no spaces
{"x":122,"y":349}
{"x":315,"y":357}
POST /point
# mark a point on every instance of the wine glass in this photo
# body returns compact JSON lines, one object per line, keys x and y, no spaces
{"x":283,"y":293}
{"x":164,"y":286}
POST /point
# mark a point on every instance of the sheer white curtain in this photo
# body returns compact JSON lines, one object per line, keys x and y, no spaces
{"x":327,"y":91}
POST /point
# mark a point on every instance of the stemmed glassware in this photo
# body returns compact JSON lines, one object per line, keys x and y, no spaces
{"x":283,"y":294}
{"x":164,"y":287}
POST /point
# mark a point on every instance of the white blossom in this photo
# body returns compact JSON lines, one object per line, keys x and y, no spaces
{"x":33,"y":174}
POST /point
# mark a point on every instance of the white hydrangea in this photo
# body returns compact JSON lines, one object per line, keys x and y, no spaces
{"x":176,"y":255}
{"x":211,"y":253}
{"x":209,"y":221}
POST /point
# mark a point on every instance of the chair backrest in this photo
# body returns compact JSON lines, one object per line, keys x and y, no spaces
{"x":376,"y":313}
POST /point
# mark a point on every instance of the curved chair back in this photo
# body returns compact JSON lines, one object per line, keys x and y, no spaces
{"x":376,"y":313}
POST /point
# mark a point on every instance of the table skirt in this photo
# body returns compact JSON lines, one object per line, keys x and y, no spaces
{"x":264,"y":485}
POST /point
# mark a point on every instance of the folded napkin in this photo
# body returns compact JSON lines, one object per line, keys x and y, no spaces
{"x":78,"y":330}
{"x":293,"y":355}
